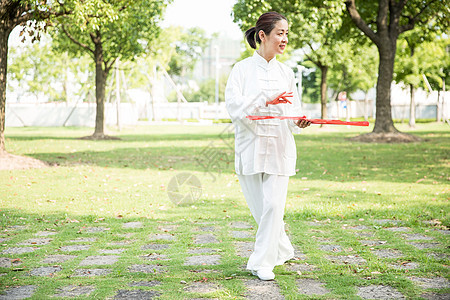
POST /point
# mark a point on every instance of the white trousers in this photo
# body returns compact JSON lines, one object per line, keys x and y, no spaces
{"x":266,"y":197}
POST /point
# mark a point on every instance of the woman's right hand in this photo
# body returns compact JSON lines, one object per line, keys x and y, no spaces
{"x":280,"y":98}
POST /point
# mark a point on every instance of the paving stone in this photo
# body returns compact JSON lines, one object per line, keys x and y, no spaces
{"x":405,"y":266}
{"x":438,"y":256}
{"x":398,"y":229}
{"x":365,"y":234}
{"x":298,"y":255}
{"x":46,"y":233}
{"x":431,"y":283}
{"x":136,"y":294}
{"x":111,"y":251}
{"x":153,"y":269}
{"x":424,"y":245}
{"x":309,"y":286}
{"x":91,"y":272}
{"x":18,"y":250}
{"x":95,"y":229}
{"x":154,"y":256}
{"x":206,"y":271}
{"x":155,"y":247}
{"x":241,"y":225}
{"x":132,"y":225}
{"x":443,"y":232}
{"x":75,"y":291}
{"x":314,"y":223}
{"x":18,"y":292}
{"x":71,"y":248}
{"x":293,"y":267}
{"x":17,"y":227}
{"x":358,"y":227}
{"x":201,"y":250}
{"x":244,"y":249}
{"x":84,"y":240}
{"x":330,"y":248}
{"x":99,"y":260}
{"x":54,"y":259}
{"x":379,"y":292}
{"x":126,"y":235}
{"x":388,"y":253}
{"x":345,"y":260}
{"x":45,"y":271}
{"x":201,"y":287}
{"x":6,"y":262}
{"x":145,"y":283}
{"x":206,"y":229}
{"x":4,"y":239}
{"x":435,"y":296}
{"x":262,"y":290}
{"x":162,"y":236}
{"x":372,"y":242}
{"x":202,"y":260}
{"x":168,"y":228}
{"x":121,"y":243}
{"x":386,"y":221}
{"x":205,"y":239}
{"x":242,"y":234}
{"x":36,"y":241}
{"x":432,"y":222}
{"x":416,"y":236}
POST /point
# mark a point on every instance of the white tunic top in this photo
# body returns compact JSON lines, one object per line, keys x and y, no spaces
{"x":264,"y":146}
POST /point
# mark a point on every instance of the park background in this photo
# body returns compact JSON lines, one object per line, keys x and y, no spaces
{"x":152,"y":208}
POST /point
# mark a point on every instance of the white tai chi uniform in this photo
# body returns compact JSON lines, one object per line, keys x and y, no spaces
{"x":265,"y":152}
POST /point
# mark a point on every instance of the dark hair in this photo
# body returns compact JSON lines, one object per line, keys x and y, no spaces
{"x":266,"y":22}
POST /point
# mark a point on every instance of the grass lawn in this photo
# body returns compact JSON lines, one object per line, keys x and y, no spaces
{"x":355,"y":199}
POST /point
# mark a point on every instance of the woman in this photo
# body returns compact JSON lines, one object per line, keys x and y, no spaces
{"x":265,"y":152}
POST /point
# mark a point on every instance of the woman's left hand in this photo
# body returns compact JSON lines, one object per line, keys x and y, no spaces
{"x":302,"y":123}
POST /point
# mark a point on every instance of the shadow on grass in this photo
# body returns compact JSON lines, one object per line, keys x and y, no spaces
{"x":324,"y":157}
{"x":333,"y":203}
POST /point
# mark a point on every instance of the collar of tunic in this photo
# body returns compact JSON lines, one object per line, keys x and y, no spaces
{"x":262,"y":62}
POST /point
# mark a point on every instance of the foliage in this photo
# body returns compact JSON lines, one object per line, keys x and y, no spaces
{"x":356,"y":69}
{"x":189,"y":46}
{"x":125,"y":28}
{"x":39,"y":70}
{"x":429,"y":58}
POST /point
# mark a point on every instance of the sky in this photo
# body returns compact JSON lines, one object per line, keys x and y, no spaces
{"x":211,"y":15}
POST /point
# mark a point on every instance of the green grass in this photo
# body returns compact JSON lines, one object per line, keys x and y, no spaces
{"x":340,"y":184}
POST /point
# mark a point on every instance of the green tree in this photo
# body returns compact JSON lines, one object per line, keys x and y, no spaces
{"x":417,"y":56}
{"x":356,"y":70}
{"x":383,"y":21}
{"x":108,"y":31}
{"x":188,"y":46}
{"x":38,"y":70}
{"x":12,"y":14}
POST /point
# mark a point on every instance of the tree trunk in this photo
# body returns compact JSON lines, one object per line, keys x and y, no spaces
{"x":4,"y":35}
{"x":412,"y":108}
{"x":100,"y":88}
{"x":323,"y":91}
{"x":366,"y":106}
{"x":383,"y":122}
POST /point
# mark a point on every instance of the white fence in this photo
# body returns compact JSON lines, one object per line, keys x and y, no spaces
{"x":62,"y":114}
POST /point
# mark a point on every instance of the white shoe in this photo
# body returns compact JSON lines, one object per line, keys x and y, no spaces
{"x":264,"y":274}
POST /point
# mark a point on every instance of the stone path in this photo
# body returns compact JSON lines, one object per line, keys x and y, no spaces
{"x":148,"y":255}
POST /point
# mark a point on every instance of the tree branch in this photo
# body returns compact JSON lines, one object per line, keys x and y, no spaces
{"x":412,"y":20}
{"x":76,"y":41}
{"x":359,"y":22}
